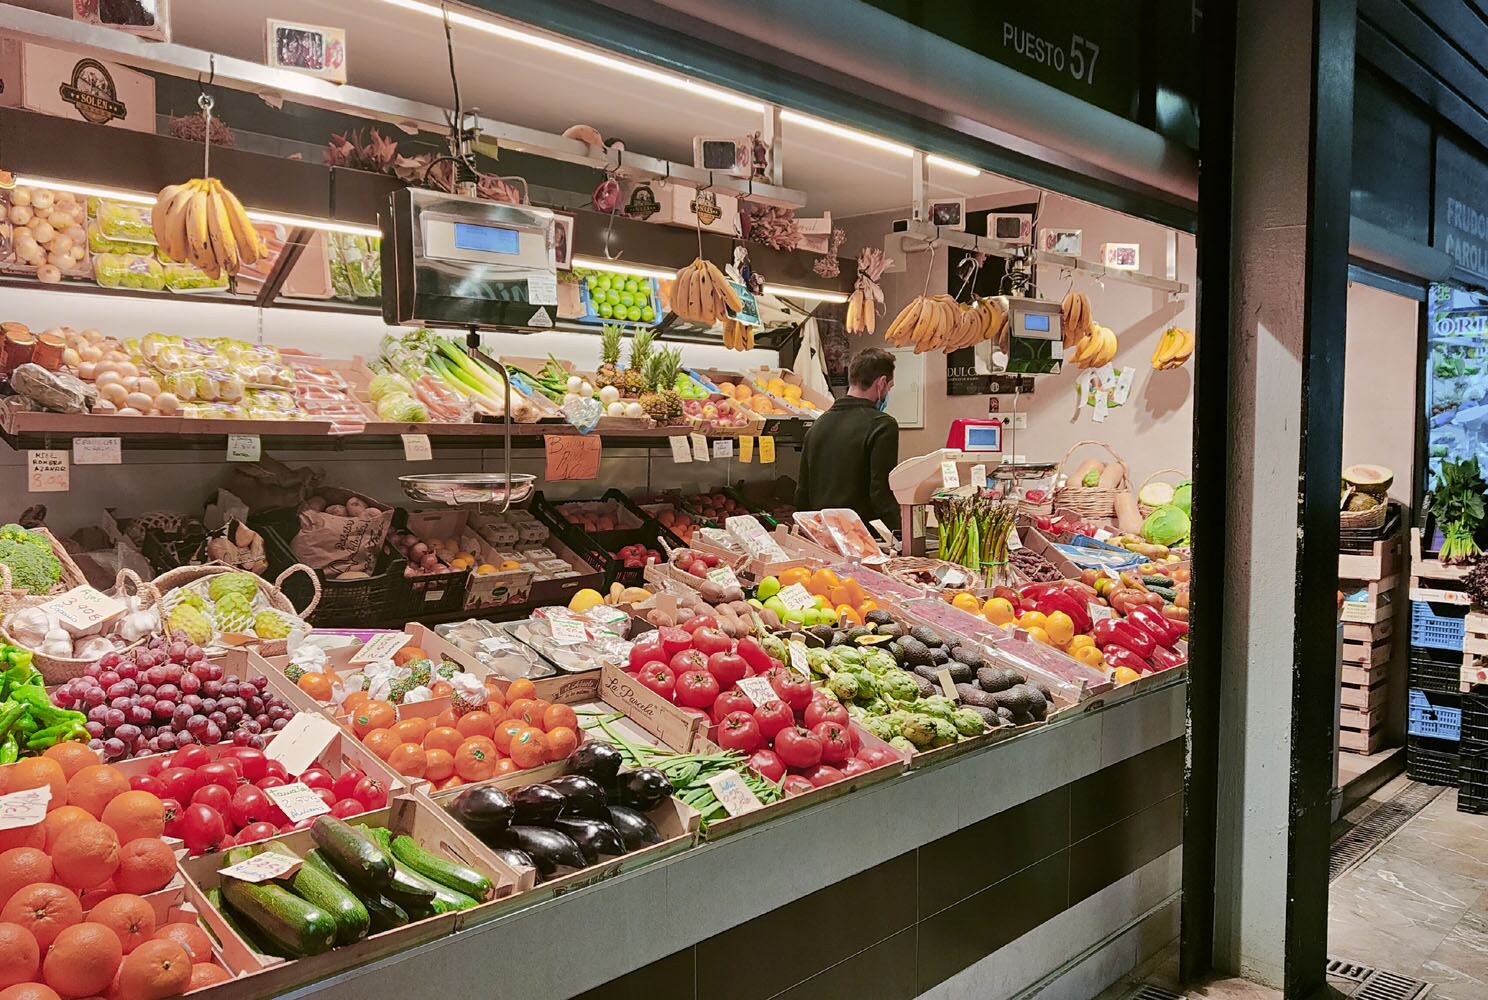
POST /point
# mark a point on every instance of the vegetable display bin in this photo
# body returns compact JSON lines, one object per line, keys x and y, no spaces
{"x":1437,"y":626}
{"x":342,"y":602}
{"x":634,"y":526}
{"x":427,"y":594}
{"x":1437,"y":714}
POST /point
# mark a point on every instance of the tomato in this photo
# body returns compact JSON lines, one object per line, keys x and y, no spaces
{"x":730,"y":701}
{"x":347,"y":808}
{"x":346,"y":781}
{"x":768,"y":763}
{"x":799,"y":748}
{"x":219,"y":772}
{"x":696,"y":689}
{"x":739,"y":731}
{"x":276,"y":768}
{"x":371,"y":793}
{"x":148,"y":783}
{"x":825,"y":710}
{"x":255,"y":764}
{"x":326,"y":795}
{"x":157,"y":764}
{"x":794,"y":784}
{"x":271,"y":781}
{"x":824,"y":774}
{"x":180,"y":783}
{"x":836,"y":745}
{"x":257,"y":831}
{"x":317,"y":777}
{"x":754,"y":654}
{"x":250,"y":805}
{"x":773,"y":716}
{"x":729,"y":667}
{"x":216,"y":796}
{"x":202,"y":828}
{"x":647,"y":648}
{"x":877,"y":756}
{"x":688,"y":659}
{"x":172,"y":817}
{"x":659,"y":678}
{"x":192,"y":756}
{"x":698,"y":622}
{"x":793,"y":689}
{"x":233,"y":763}
{"x":674,"y":640}
{"x":855,"y":767}
{"x":475,"y":760}
{"x":711,"y":640}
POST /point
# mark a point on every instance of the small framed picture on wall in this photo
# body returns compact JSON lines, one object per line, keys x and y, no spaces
{"x":563,"y":238}
{"x":948,"y":213}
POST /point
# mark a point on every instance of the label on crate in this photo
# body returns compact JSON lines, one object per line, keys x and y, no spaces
{"x":723,"y":576}
{"x":416,"y":448}
{"x":796,"y":598}
{"x":734,"y":795}
{"x":723,"y":448}
{"x":681,"y":449}
{"x":244,"y":448}
{"x":699,"y":448}
{"x":746,"y":449}
{"x":24,"y":808}
{"x":297,"y":801}
{"x":767,"y":449}
{"x":96,"y":451}
{"x":758,"y":690}
{"x":47,"y":471}
{"x":947,"y":685}
{"x":568,"y":631}
{"x":302,"y":741}
{"x":798,"y":661}
{"x":381,"y":646}
{"x":262,"y":867}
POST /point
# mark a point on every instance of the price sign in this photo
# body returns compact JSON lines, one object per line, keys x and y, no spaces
{"x":381,"y":646}
{"x":542,"y":289}
{"x":82,"y":608}
{"x":723,"y":576}
{"x":746,"y":449}
{"x":1014,"y":542}
{"x":301,"y":741}
{"x":297,"y":801}
{"x":262,"y":867}
{"x":796,"y":598}
{"x":699,"y":448}
{"x":24,"y":808}
{"x":571,"y":456}
{"x":416,"y":448}
{"x":95,"y":451}
{"x":950,"y":476}
{"x":723,"y":448}
{"x":681,"y":449}
{"x":243,"y":448}
{"x":47,"y":471}
{"x":767,"y":449}
{"x":1099,"y":611}
{"x":758,"y":690}
{"x":733,"y":794}
{"x":1102,"y":399}
{"x":947,"y":685}
{"x":1108,"y":571}
{"x":568,"y":631}
{"x":979,"y":476}
{"x":798,"y":661}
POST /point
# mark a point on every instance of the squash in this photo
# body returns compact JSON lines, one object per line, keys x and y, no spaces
{"x":1114,"y":476}
{"x":1128,"y":518}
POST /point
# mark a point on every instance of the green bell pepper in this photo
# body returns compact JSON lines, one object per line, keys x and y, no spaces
{"x":10,"y":714}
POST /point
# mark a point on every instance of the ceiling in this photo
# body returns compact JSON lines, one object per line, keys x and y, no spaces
{"x":402,"y":52}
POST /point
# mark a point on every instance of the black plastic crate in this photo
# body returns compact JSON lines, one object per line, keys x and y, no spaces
{"x":1434,"y":669}
{"x":600,"y":546}
{"x":343,"y":603}
{"x":1475,"y":720}
{"x":1472,"y":788}
{"x":1431,"y":762}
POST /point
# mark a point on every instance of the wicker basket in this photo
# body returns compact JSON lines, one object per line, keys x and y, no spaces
{"x":1146,"y":509}
{"x":57,"y":669}
{"x":1363,"y":520}
{"x":180,"y":577}
{"x":1087,"y":501}
{"x":71,"y":575}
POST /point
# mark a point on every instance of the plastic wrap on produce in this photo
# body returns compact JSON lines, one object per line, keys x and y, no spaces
{"x":55,"y":391}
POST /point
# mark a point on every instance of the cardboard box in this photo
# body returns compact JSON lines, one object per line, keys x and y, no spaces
{"x":59,"y":83}
{"x":680,"y":205}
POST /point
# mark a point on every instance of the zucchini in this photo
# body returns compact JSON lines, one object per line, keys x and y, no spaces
{"x":444,"y":899}
{"x":285,"y":920}
{"x":383,"y":913}
{"x":359,"y":859}
{"x":330,"y":894}
{"x":214,"y":896}
{"x":1157,"y":580}
{"x":447,"y":873}
{"x":417,"y":896}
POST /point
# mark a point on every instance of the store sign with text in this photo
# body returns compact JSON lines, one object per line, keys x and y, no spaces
{"x":1461,"y":216}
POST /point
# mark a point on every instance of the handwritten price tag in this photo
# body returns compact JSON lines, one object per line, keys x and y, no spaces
{"x":733,"y":794}
{"x":381,"y":646}
{"x":297,"y":801}
{"x":723,"y":448}
{"x":47,"y":471}
{"x":244,"y":448}
{"x":681,"y":449}
{"x":767,"y":449}
{"x":572,"y":456}
{"x":723,"y":576}
{"x":746,"y":449}
{"x":950,"y":476}
{"x":81,"y":608}
{"x":416,"y":448}
{"x":796,"y":598}
{"x":301,"y":741}
{"x":262,"y":867}
{"x":96,"y":451}
{"x":758,"y":690}
{"x":798,"y":661}
{"x":25,"y":808}
{"x":1099,"y":611}
{"x":979,"y":476}
{"x":1014,"y":542}
{"x":699,"y":448}
{"x":568,"y":632}
{"x":947,"y":685}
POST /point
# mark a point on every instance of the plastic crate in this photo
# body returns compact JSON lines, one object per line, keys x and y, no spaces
{"x":598,"y":546}
{"x":1437,"y":629}
{"x":1472,"y":782}
{"x":1475,"y":721}
{"x":1437,"y":714}
{"x":1363,"y":539}
{"x":1432,"y":762}
{"x":1430,"y":671}
{"x":342,"y":603}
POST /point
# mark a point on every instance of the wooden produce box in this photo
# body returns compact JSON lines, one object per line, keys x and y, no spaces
{"x":1429,"y":575}
{"x":1475,"y":638}
{"x":411,"y":814}
{"x":1361,"y":731}
{"x":1375,"y":603}
{"x":653,"y":713}
{"x":1377,"y":564}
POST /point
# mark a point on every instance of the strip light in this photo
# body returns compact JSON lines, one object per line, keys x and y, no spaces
{"x":134,"y":198}
{"x":876,"y":142}
{"x":624,"y":267}
{"x":798,"y":292}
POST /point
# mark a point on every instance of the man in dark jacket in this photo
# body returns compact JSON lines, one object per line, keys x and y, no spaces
{"x":851,"y":448}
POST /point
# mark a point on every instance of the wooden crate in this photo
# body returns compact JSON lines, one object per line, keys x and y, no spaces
{"x":1475,"y":638}
{"x":1368,"y":654}
{"x":1381,"y":562}
{"x":1428,"y":574}
{"x":1364,"y":698}
{"x":1368,"y":632}
{"x":1474,"y":670}
{"x":1366,"y":677}
{"x":1377,"y":605}
{"x":1361,"y":741}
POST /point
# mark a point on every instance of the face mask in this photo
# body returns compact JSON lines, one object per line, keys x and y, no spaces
{"x":882,"y":404}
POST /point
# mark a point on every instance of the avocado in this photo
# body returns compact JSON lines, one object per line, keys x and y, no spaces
{"x":991,"y":680}
{"x":968,"y":656}
{"x":913,"y":652}
{"x":973,"y":695}
{"x":1004,"y":713}
{"x":1039,"y":710}
{"x":960,"y":672}
{"x":889,"y":628}
{"x":823,"y":632}
{"x":926,"y":635}
{"x":856,"y":631}
{"x":1020,"y":698}
{"x":838,"y":638}
{"x":939,"y":656}
{"x":1016,"y":676}
{"x":989,"y":716}
{"x":926,"y":686}
{"x":927,"y":671}
{"x":879,"y":617}
{"x":1043,"y":689}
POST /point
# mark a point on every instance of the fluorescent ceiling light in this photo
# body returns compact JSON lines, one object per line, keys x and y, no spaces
{"x":624,"y":267}
{"x":877,"y":142}
{"x":953,"y":165}
{"x":798,"y":292}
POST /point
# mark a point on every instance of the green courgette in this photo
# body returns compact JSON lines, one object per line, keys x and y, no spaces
{"x":383,"y":913}
{"x":1156,"y":580}
{"x":416,"y":895}
{"x":214,"y":896}
{"x":330,"y":894}
{"x":458,"y":877}
{"x":360,"y":859}
{"x":443,"y":899}
{"x":283,"y":919}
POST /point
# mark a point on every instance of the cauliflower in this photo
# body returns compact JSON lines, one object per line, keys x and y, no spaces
{"x":844,"y":685}
{"x":901,"y":744}
{"x":223,"y":584}
{"x":32,"y":566}
{"x":967,"y":722}
{"x":937,"y":705}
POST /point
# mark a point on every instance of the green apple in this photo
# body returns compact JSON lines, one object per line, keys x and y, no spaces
{"x":776,"y":605}
{"x":797,"y":617}
{"x":768,"y":588}
{"x":756,"y":602}
{"x":822,"y":602}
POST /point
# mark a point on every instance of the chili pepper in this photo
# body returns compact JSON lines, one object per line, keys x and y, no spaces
{"x":10,"y":713}
{"x":45,"y":738}
{"x":42,"y":709}
{"x":10,"y":750}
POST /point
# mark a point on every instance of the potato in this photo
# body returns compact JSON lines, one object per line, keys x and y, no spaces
{"x":660,"y":619}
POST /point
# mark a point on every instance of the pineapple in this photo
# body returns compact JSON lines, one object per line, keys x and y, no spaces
{"x":609,"y":357}
{"x":663,"y":404}
{"x":634,"y":381}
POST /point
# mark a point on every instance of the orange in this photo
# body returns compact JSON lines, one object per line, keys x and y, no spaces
{"x":1037,"y":634}
{"x":866,"y":605}
{"x":529,"y":748}
{"x":1088,"y":655}
{"x":82,"y":960}
{"x":796,"y":574}
{"x":86,"y":854}
{"x":1125,"y":675}
{"x":453,"y":781}
{"x":34,"y":772}
{"x":20,"y":955}
{"x":190,"y":937}
{"x":409,"y":760}
{"x":855,"y":593}
{"x":506,"y":731}
{"x":441,"y":689}
{"x":525,"y":710}
{"x":135,"y":814}
{"x":382,"y":742}
{"x":504,"y":766}
{"x":560,"y":715}
{"x":60,"y":819}
{"x":439,"y":764}
{"x":561,"y":741}
{"x":476,"y":758}
{"x":476,"y":723}
{"x":1080,"y":639}
{"x":374,"y":713}
{"x":1032,"y":619}
{"x":443,"y":738}
{"x":411,"y":730}
{"x":446,"y":719}
{"x":24,"y":836}
{"x":155,"y":970}
{"x":21,"y":866}
{"x":29,"y":991}
{"x":354,"y":701}
{"x":145,"y":864}
{"x":44,"y":909}
{"x":316,"y":685}
{"x":130,"y":917}
{"x":407,"y":653}
{"x":72,"y":756}
{"x":998,"y":610}
{"x":966,"y":602}
{"x":520,"y":688}
{"x":204,"y":974}
{"x":95,"y":786}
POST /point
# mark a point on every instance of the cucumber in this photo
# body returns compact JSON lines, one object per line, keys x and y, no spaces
{"x":284,"y":919}
{"x":1168,"y":594}
{"x":1156,"y":580}
{"x":330,"y":894}
{"x":455,"y":876}
{"x":359,"y":859}
{"x":383,"y":913}
{"x":445,"y":899}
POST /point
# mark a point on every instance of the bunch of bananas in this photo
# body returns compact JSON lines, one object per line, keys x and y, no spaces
{"x":1097,"y":349}
{"x":985,"y":319}
{"x":1174,"y":347}
{"x":701,"y":294}
{"x":1074,"y":319}
{"x":926,"y":323}
{"x":203,"y":223}
{"x":862,"y":310}
{"x":738,"y":336}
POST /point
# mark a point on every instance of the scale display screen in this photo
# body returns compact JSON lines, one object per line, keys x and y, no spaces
{"x":983,"y":437}
{"x":1037,"y":322}
{"x":486,"y":239}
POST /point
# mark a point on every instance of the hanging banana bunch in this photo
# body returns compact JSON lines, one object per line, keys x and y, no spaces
{"x":202,"y":223}
{"x":1174,"y":348}
{"x":1097,"y":349}
{"x":738,"y":336}
{"x":866,"y":298}
{"x":701,"y":294}
{"x":1074,"y":319}
{"x":985,"y":319}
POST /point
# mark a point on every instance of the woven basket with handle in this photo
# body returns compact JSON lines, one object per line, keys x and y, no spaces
{"x":1087,"y":501}
{"x":1359,"y":520}
{"x":184,"y":575}
{"x":1146,"y":509}
{"x":58,"y":669}
{"x":71,"y":575}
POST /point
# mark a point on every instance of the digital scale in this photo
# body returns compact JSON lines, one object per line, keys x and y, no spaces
{"x":1035,"y":343}
{"x":976,"y":434}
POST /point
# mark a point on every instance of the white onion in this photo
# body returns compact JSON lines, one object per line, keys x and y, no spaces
{"x":20,"y":214}
{"x":139,"y":401}
{"x":48,"y":274}
{"x":167,"y":403}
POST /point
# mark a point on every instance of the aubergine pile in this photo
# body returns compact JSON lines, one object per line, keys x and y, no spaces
{"x":592,"y":813}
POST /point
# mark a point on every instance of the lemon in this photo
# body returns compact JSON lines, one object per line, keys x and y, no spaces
{"x":584,"y":600}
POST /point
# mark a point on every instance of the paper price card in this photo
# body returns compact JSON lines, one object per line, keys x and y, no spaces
{"x":796,"y":598}
{"x":758,"y":690}
{"x":416,"y":448}
{"x":1102,"y":399}
{"x":24,"y":808}
{"x":798,"y":660}
{"x":82,"y":608}
{"x":96,"y":451}
{"x":767,"y":449}
{"x":297,"y":801}
{"x":681,"y":449}
{"x":699,"y":448}
{"x":1099,"y":611}
{"x":979,"y":477}
{"x":946,"y":684}
{"x":301,"y":741}
{"x":746,"y":449}
{"x":733,"y":794}
{"x":262,"y":867}
{"x":572,"y":456}
{"x":1014,"y":542}
{"x":243,"y":447}
{"x":381,"y":646}
{"x":723,"y":448}
{"x":47,"y":471}
{"x":723,"y":576}
{"x":950,"y":476}
{"x":542,"y":290}
{"x":567,"y":631}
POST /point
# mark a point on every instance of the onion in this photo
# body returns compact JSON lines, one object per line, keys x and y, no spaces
{"x":90,"y":353}
{"x":70,"y":358}
{"x":43,"y":232}
{"x":92,"y":335}
{"x":86,"y":371}
{"x":20,"y":215}
{"x":113,"y":392}
{"x":131,"y":383}
{"x":48,"y":274}
{"x":42,"y":199}
{"x":167,"y":403}
{"x":139,"y":401}
{"x":21,"y":196}
{"x":130,"y":411}
{"x":148,"y":386}
{"x":128,"y":368}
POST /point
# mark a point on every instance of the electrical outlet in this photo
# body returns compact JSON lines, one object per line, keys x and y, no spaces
{"x":1020,"y":421}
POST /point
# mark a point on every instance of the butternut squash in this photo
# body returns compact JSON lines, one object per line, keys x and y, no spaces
{"x":1113,"y":477}
{"x":1128,"y":518}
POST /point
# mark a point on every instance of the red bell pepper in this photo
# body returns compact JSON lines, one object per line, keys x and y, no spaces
{"x":1035,"y":592}
{"x":1120,"y":656}
{"x":1164,"y":659}
{"x":1063,"y":600}
{"x":1119,"y":632}
{"x":1153,"y":621}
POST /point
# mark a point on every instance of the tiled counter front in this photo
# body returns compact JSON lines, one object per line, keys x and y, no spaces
{"x":977,"y":878}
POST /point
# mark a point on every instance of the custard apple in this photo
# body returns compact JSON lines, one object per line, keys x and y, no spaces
{"x":194,"y":600}
{"x":270,"y":625}
{"x":223,"y":584}
{"x":190,"y":620}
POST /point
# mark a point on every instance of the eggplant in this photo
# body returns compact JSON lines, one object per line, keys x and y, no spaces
{"x":548,"y":849}
{"x":536,"y":805}
{"x":636,"y":831}
{"x":644,"y":788}
{"x":598,"y":760}
{"x":595,"y":838}
{"x":512,"y":856}
{"x":484,"y":810}
{"x":581,"y":796}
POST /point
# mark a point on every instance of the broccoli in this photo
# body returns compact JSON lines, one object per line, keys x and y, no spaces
{"x":844,"y":685}
{"x":16,"y":533}
{"x":919,"y":730}
{"x":32,"y":567}
{"x":937,"y":705}
{"x":902,"y":744}
{"x":967,"y":722}
{"x":945,"y":733}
